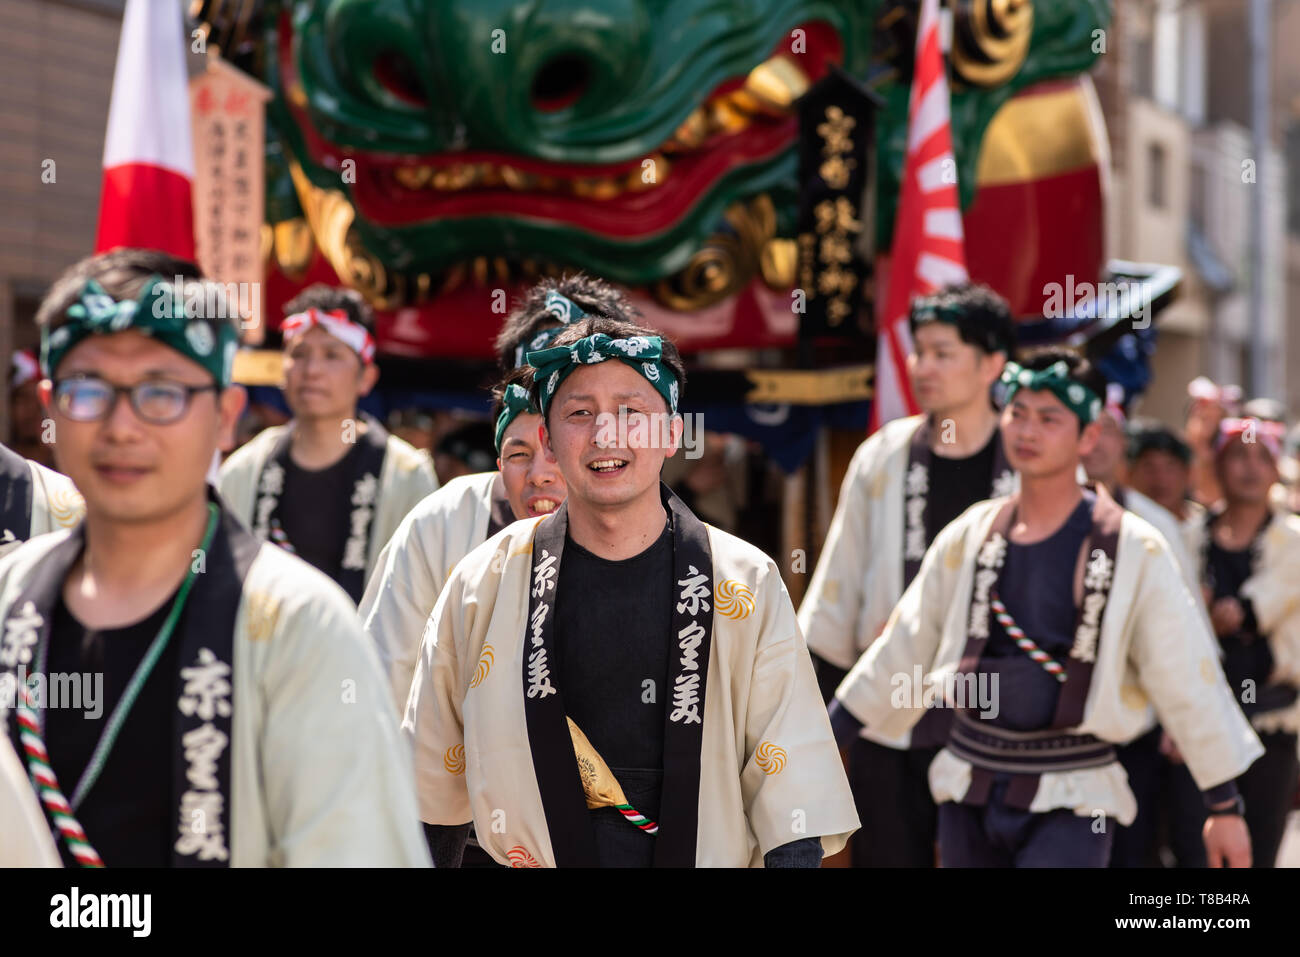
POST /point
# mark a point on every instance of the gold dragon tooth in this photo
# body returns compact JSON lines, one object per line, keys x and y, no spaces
{"x":517,"y":179}
{"x":413,"y":177}
{"x":775,"y":84}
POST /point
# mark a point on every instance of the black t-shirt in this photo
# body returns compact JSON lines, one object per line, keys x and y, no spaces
{"x":956,"y":485}
{"x":613,"y":625}
{"x":315,"y":511}
{"x":1037,"y":587}
{"x":129,"y":815}
{"x":613,"y":622}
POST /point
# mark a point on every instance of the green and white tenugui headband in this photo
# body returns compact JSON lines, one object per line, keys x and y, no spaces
{"x":642,"y":353}
{"x":515,"y":401}
{"x":159,"y":311}
{"x":562,"y":308}
{"x":1078,"y":398}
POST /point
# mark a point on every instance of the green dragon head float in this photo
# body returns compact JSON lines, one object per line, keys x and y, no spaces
{"x":435,"y":153}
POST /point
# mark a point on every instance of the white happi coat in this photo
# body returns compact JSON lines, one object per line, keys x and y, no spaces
{"x":413,"y":567}
{"x":24,"y":837}
{"x":768,"y":759}
{"x":1274,"y":592}
{"x":1154,"y":649}
{"x":406,"y":478}
{"x":859,"y":575}
{"x":56,"y":504}
{"x":319,"y":776}
{"x":1171,"y":530}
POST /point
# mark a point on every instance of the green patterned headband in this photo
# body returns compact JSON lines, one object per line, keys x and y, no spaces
{"x":515,"y":401}
{"x":159,"y":311}
{"x":1078,"y":398}
{"x":559,"y":306}
{"x":642,"y":353}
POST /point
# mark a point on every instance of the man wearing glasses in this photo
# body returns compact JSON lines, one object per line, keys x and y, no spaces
{"x":245,"y":718}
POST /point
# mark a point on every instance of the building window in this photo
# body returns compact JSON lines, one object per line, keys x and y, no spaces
{"x":1144,"y":73}
{"x":1157,"y":171}
{"x":1198,"y":197}
{"x":1293,"y":180}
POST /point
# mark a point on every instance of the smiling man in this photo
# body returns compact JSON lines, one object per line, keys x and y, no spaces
{"x":248,"y":723}
{"x":618,"y":684}
{"x":905,"y":483}
{"x":450,"y":523}
{"x":1078,"y":611}
{"x":445,"y":527}
{"x":332,"y":485}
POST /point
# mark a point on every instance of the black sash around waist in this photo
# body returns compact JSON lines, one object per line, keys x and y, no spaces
{"x":1024,"y":752}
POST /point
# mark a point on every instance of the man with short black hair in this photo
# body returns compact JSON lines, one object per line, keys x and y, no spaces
{"x":241,"y":718}
{"x":451,"y":522}
{"x":1071,"y":611}
{"x":905,"y":483}
{"x":332,"y":485}
{"x":617,"y":683}
{"x":469,"y":509}
{"x":552,"y":304}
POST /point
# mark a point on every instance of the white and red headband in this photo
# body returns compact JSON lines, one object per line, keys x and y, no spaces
{"x":336,"y":322}
{"x":1268,"y":434}
{"x":1202,"y":389}
{"x":24,"y":368}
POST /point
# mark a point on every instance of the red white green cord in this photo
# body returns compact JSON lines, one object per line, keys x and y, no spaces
{"x":1017,"y":634}
{"x":38,"y":761}
{"x":637,"y":818}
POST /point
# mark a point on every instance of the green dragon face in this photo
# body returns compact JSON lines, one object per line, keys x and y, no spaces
{"x":617,"y":137}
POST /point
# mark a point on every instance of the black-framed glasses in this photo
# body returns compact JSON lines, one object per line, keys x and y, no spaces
{"x":158,"y":402}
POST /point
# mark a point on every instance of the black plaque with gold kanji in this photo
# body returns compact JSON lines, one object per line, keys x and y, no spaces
{"x":836,"y":130}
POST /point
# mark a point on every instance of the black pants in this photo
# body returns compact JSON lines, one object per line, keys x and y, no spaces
{"x":891,"y":789}
{"x":994,"y":835}
{"x":1268,"y":788}
{"x":1135,"y":845}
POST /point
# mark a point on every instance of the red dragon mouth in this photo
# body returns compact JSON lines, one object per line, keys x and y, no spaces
{"x":744,"y":121}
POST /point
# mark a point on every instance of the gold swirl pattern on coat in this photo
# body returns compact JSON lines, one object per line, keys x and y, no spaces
{"x":263,"y":615}
{"x":66,"y":507}
{"x":454,"y":759}
{"x":770,"y":758}
{"x":733,"y":600}
{"x":483,"y":667}
{"x":519,"y":857}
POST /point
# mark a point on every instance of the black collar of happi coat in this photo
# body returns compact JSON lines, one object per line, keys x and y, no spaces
{"x":916,"y":492}
{"x":15,"y":498}
{"x":203,"y":687}
{"x":365,"y":465}
{"x":499,"y":512}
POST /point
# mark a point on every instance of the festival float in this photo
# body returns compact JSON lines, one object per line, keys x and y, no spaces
{"x":734,"y":166}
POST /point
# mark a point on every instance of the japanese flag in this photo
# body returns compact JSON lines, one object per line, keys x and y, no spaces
{"x":147,"y":199}
{"x":928,"y":251}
